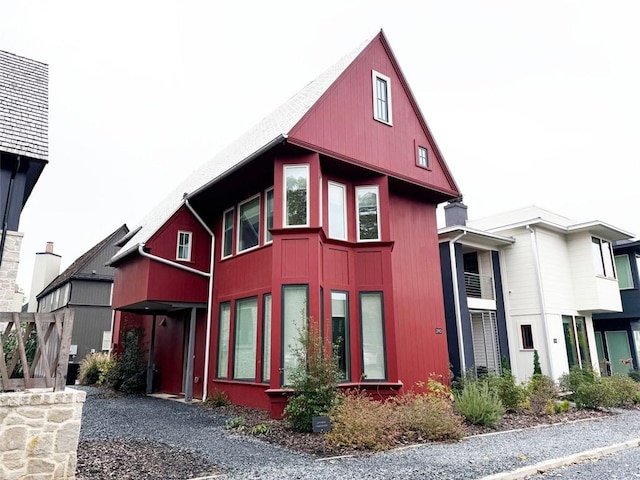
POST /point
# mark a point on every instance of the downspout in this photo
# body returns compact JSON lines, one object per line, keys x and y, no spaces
{"x":169,"y":262}
{"x":456,"y":300}
{"x":207,"y":347}
{"x":5,"y":215}
{"x":543,"y":312}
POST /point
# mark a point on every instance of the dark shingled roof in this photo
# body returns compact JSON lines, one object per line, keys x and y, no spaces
{"x":76,"y":267}
{"x":23,"y":106}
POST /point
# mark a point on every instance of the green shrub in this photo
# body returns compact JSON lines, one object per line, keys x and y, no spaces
{"x":314,"y":380}
{"x":235,"y":423}
{"x":431,"y":416}
{"x":635,"y":375}
{"x":479,"y":405}
{"x":561,"y":407}
{"x":218,"y":398}
{"x":537,"y":370}
{"x":260,"y":429}
{"x":129,"y":372}
{"x":594,"y":395}
{"x":10,"y":348}
{"x":542,"y":394}
{"x":576,"y":377}
{"x":94,"y":368}
{"x":625,"y":390}
{"x":361,"y":423}
{"x":511,"y":394}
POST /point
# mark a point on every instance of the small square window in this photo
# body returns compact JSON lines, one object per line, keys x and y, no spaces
{"x":183,"y":250}
{"x":382,"y":98}
{"x":527,"y":337}
{"x":423,"y":157}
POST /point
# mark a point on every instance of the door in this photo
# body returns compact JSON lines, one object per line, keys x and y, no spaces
{"x":619,"y":351}
{"x":486,"y":347}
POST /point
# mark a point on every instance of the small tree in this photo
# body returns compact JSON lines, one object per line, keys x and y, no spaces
{"x":314,"y":380}
{"x":536,"y":363}
{"x":128,"y":374}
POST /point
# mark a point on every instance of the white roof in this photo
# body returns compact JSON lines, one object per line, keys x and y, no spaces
{"x":268,"y":131}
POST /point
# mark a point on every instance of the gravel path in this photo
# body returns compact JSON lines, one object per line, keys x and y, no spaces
{"x":187,"y":428}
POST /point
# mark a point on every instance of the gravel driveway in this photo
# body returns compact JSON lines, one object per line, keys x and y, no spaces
{"x":196,"y":435}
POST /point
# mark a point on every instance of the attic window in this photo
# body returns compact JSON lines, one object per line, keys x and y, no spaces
{"x":183,"y":250}
{"x":382,"y":98}
{"x":423,"y":157}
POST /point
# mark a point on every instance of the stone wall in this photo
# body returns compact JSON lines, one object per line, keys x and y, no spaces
{"x":9,"y":270}
{"x":39,"y":431}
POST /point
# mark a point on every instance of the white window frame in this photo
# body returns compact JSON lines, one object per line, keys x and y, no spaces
{"x":224,"y":232}
{"x":284,"y":195}
{"x":376,"y":113}
{"x":239,"y":219}
{"x":344,"y":209}
{"x":363,"y":187}
{"x":426,"y":157}
{"x":268,"y":238}
{"x":601,"y":266}
{"x":188,"y":245}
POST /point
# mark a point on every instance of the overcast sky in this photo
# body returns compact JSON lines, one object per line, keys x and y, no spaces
{"x":530,"y":103}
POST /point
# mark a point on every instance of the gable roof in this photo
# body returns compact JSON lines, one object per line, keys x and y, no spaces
{"x":76,"y":267}
{"x":23,"y":106}
{"x":533,"y":215}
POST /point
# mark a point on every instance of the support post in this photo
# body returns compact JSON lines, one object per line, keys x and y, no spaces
{"x":150,"y":364}
{"x":188,"y":390}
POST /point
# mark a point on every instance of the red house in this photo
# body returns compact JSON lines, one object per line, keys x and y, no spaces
{"x":324,"y":210}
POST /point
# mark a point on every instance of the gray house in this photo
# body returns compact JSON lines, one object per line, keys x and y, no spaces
{"x":86,"y":288}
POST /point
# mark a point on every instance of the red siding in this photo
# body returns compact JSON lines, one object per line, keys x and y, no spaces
{"x":130,"y":281}
{"x":342,"y":123}
{"x":417,"y":291}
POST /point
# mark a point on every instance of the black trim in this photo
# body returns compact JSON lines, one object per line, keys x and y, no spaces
{"x":384,"y":336}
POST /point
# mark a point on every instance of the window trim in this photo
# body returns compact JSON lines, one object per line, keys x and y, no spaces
{"x":345,"y":222}
{"x":426,"y":166}
{"x":263,"y":377}
{"x":357,"y":202}
{"x":188,"y":245}
{"x":384,"y":336}
{"x":529,"y":327}
{"x":374,"y":82}
{"x":282,"y":322}
{"x":284,"y":195}
{"x":266,"y":214}
{"x":226,"y":375}
{"x":633,"y":285}
{"x":347,"y":330}
{"x":224,"y":232}
{"x":238,"y":220}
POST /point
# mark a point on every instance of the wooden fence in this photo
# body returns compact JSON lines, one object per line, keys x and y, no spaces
{"x":48,"y":367}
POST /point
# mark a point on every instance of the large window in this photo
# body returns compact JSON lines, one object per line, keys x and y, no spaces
{"x":183,"y":250}
{"x":340,"y":331}
{"x":623,"y":268}
{"x":296,"y":195}
{"x":372,"y":332}
{"x":575,"y":338}
{"x":266,"y":338}
{"x":337,"y":211}
{"x":294,"y":319}
{"x":603,"y":257}
{"x":227,"y":233}
{"x":381,"y":97}
{"x":367,"y":213}
{"x":249,"y":224}
{"x":246,"y":335}
{"x":223,"y":340}
{"x":268,"y":215}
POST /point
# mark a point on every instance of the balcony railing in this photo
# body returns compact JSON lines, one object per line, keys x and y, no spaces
{"x":479,"y":286}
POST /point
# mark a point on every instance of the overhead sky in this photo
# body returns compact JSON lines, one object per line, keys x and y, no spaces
{"x":529,"y":102}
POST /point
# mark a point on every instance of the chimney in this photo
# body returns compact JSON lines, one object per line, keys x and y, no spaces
{"x":45,"y":268}
{"x":49,"y":248}
{"x":455,"y":213}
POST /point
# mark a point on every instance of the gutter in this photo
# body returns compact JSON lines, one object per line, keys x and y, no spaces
{"x":543,"y":312}
{"x":207,"y":347}
{"x":456,"y":300}
{"x":169,"y":262}
{"x":5,"y":215}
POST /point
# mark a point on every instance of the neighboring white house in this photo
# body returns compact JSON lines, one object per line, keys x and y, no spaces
{"x":555,"y":275}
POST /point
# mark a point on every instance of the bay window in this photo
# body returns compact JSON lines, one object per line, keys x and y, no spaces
{"x":368,"y":213}
{"x":296,"y":195}
{"x":337,"y":211}
{"x":266,"y":338}
{"x":340,"y":331}
{"x":372,"y":333}
{"x":294,"y":320}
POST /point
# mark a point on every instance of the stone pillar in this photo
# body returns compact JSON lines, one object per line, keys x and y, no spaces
{"x":9,"y":270}
{"x":39,"y":432}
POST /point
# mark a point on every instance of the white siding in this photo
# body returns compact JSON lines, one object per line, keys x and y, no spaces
{"x":519,"y":267}
{"x":555,"y":269}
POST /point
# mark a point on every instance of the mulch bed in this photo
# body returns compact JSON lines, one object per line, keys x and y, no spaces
{"x":314,"y":444}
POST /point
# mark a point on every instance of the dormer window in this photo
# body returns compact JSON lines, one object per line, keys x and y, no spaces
{"x":183,"y":250}
{"x":382,"y":98}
